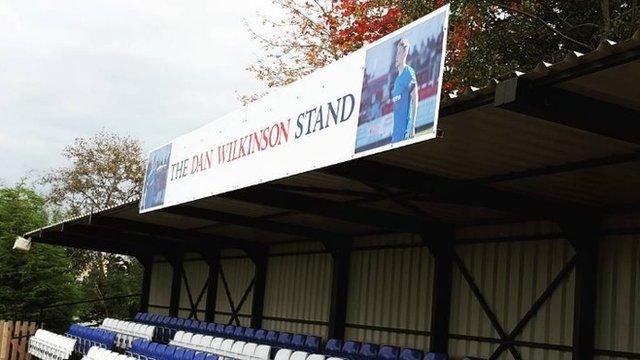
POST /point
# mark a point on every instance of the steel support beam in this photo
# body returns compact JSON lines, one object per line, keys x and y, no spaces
{"x":341,"y":256}
{"x":176,"y":283}
{"x":568,"y":108}
{"x":440,"y":242}
{"x":147,"y":263}
{"x":260,"y":258}
{"x":584,"y":234}
{"x":213,"y":261}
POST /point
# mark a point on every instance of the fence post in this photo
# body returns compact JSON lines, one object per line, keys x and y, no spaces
{"x":5,"y":341}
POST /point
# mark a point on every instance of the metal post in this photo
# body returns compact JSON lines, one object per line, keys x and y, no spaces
{"x":176,"y":284}
{"x":147,"y":264}
{"x":441,"y":245}
{"x":213,"y":260}
{"x":341,"y":253}
{"x":260,"y":259}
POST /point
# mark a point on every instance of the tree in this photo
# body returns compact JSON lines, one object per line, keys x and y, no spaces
{"x":41,"y":277}
{"x":105,"y":170}
{"x":487,"y":39}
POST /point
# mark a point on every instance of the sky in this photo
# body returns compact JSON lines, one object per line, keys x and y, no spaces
{"x":151,"y":69}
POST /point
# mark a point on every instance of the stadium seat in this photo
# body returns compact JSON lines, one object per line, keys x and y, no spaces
{"x":238,"y":334}
{"x":211,"y":357}
{"x":283,"y":354}
{"x":179,"y":353}
{"x":205,"y":343}
{"x":203,"y":327}
{"x":216,"y":343}
{"x":299,"y":355}
{"x":284,"y":340}
{"x":334,"y":347}
{"x":47,"y":345}
{"x":200,"y":356}
{"x":312,"y":344}
{"x":262,"y":352}
{"x":316,"y":357}
{"x":229,"y":330}
{"x":195,"y":325}
{"x":260,"y":336}
{"x":271,"y":338}
{"x":211,"y":328}
{"x":388,"y":353}
{"x":236,"y":349}
{"x":195,"y":341}
{"x":220,"y":329}
{"x":368,"y":351}
{"x":225,"y":348}
{"x":249,"y":334}
{"x":411,"y":354}
{"x":436,"y":356}
{"x":188,"y":354}
{"x":350,"y":349}
{"x":297,"y":342}
{"x":248,"y":351}
{"x":167,"y":354}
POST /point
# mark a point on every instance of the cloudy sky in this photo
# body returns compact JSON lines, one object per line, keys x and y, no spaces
{"x":153,"y":69}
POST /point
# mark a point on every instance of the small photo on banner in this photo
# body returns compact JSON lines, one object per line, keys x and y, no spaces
{"x":155,"y":180}
{"x":401,"y":83}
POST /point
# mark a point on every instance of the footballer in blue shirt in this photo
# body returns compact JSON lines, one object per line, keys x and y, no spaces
{"x":404,"y":96}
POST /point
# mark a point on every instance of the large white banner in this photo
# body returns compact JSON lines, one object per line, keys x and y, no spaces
{"x":383,"y":96}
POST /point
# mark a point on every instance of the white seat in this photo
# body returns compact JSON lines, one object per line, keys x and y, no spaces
{"x":186,"y":339}
{"x":262,"y":352}
{"x":225,"y":348}
{"x":206,"y":342}
{"x":236,"y":349}
{"x":335,"y":358}
{"x":177,"y":338}
{"x":248,"y":351}
{"x":216,"y":343}
{"x":122,"y":357}
{"x":283,"y":354}
{"x":195,"y":341}
{"x":299,"y":355}
{"x":316,"y":357}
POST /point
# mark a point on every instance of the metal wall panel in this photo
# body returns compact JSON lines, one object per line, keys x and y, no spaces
{"x":390,"y":288}
{"x":238,"y":272}
{"x":511,"y":276}
{"x":160,"y":288}
{"x":196,"y":272}
{"x":618,"y":307}
{"x":298,"y":287}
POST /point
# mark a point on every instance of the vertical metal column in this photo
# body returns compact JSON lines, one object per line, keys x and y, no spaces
{"x":260,"y":258}
{"x":341,"y":254}
{"x":147,"y":264}
{"x":176,"y":284}
{"x":441,"y":245}
{"x":213,"y":261}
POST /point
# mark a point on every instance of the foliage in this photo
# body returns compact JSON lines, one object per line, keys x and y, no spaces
{"x":105,"y":170}
{"x":487,"y":39}
{"x":41,"y":277}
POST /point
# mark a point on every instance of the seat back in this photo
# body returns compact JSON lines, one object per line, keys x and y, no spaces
{"x":436,"y":356}
{"x":312,"y":344}
{"x":350,"y":349}
{"x":388,"y":353}
{"x":178,"y":354}
{"x":299,"y":355}
{"x":205,"y":343}
{"x":262,"y":352}
{"x":249,"y":349}
{"x":226,"y":346}
{"x":200,"y":356}
{"x":239,"y":333}
{"x":260,"y":335}
{"x":284,"y":339}
{"x":271,"y":337}
{"x":283,"y":354}
{"x":316,"y":357}
{"x":249,"y":333}
{"x":216,"y":343}
{"x":297,"y":341}
{"x":220,"y":329}
{"x":211,"y":357}
{"x":334,"y":347}
{"x":188,"y":354}
{"x":368,"y":351}
{"x":211,"y":328}
{"x":196,"y":339}
{"x":167,"y":354}
{"x":237,"y":347}
{"x":411,"y":354}
{"x":229,"y":330}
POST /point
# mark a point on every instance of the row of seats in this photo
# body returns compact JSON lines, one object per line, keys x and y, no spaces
{"x":274,"y":338}
{"x":357,"y":351}
{"x":50,"y":346}
{"x":127,"y":331}
{"x":227,"y":348}
{"x":98,"y":353}
{"x":143,"y":349}
{"x":88,"y":337}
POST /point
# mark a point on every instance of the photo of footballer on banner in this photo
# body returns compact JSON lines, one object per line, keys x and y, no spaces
{"x":155,"y":182}
{"x":401,"y":86}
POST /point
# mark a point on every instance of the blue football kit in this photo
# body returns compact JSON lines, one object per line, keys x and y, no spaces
{"x":402,"y":115}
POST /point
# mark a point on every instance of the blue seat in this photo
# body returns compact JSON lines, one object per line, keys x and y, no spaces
{"x":229,"y":330}
{"x":167,"y":354}
{"x":203,"y":327}
{"x":173,"y":322}
{"x":333,"y":347}
{"x":187,"y":325}
{"x":284,"y":340}
{"x":151,"y":350}
{"x":411,"y":354}
{"x":238,"y":333}
{"x":211,"y":329}
{"x":350,"y":349}
{"x":249,"y":334}
{"x":159,"y":353}
{"x":388,"y":353}
{"x":312,"y":344}
{"x":436,"y":356}
{"x":211,"y":357}
{"x":260,"y":336}
{"x":272,"y":337}
{"x":135,"y":345}
{"x":153,"y":319}
{"x":297,"y":341}
{"x":138,"y":316}
{"x":195,"y":325}
{"x":188,"y":355}
{"x":200,"y":356}
{"x":178,"y":354}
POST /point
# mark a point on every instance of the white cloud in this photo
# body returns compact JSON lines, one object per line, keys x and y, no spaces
{"x":153,"y":69}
